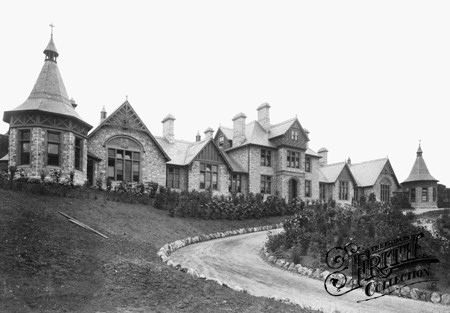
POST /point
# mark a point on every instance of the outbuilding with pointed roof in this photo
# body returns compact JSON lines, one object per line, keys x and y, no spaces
{"x":420,"y":185}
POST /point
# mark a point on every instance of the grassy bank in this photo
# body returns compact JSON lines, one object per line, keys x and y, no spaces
{"x":51,"y":265}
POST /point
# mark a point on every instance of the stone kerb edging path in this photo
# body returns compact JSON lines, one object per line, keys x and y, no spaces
{"x":165,"y":251}
{"x":320,"y":274}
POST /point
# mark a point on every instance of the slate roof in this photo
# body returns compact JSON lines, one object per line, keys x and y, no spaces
{"x":419,"y":171}
{"x":367,"y":173}
{"x":183,"y":152}
{"x":255,"y":134}
{"x":330,"y":173}
{"x":49,"y":94}
{"x":280,"y":128}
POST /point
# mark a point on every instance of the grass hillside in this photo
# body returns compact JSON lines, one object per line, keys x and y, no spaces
{"x":48,"y":264}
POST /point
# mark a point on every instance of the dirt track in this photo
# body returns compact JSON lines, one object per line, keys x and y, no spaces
{"x":235,"y":261}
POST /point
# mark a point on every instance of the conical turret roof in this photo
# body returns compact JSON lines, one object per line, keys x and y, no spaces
{"x":49,"y":93}
{"x":419,"y":171}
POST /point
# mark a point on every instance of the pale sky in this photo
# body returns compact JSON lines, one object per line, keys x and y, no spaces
{"x":368,"y":79}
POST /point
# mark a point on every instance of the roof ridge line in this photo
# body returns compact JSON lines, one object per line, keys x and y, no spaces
{"x":277,"y":124}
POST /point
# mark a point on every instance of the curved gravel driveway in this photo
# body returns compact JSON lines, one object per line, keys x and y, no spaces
{"x":235,"y":261}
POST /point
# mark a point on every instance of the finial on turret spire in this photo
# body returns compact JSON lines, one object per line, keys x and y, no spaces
{"x":51,"y":54}
{"x":419,"y":151}
{"x":51,"y":27}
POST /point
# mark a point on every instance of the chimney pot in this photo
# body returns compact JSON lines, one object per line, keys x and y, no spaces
{"x":168,"y":128}
{"x":239,"y":129}
{"x":209,"y":132}
{"x":323,"y":152}
{"x":263,"y":115}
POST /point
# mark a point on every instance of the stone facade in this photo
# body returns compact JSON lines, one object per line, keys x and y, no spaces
{"x":153,"y":162}
{"x":422,"y":202}
{"x":38,"y":155}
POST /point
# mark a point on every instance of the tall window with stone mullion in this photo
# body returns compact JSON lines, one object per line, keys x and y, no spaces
{"x":123,"y":165}
{"x":78,"y":153}
{"x":208,"y":176}
{"x":343,"y":190}
{"x":266,"y":184}
{"x":293,"y":159}
{"x":24,"y":146}
{"x":53,"y":148}
{"x":385,"y":193}
{"x":173,"y":177}
{"x":266,"y":157}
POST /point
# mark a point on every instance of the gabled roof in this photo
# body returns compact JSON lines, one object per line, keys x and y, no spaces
{"x":312,"y":153}
{"x":280,"y":128}
{"x":184,"y":152}
{"x":228,"y":132}
{"x":367,"y":173}
{"x":126,"y":116}
{"x":419,"y":171}
{"x":330,"y":173}
{"x":49,"y":94}
{"x":255,"y":134}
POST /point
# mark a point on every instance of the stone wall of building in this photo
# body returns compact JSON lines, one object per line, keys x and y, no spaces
{"x":313,"y":176}
{"x":38,"y":154}
{"x":153,"y":162}
{"x":419,"y":204}
{"x":194,"y":176}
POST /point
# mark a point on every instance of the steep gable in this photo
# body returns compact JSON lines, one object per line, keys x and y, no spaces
{"x":126,"y":117}
{"x":289,"y":133}
{"x":329,"y":174}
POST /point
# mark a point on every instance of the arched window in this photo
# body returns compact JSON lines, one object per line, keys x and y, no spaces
{"x":124,"y":159}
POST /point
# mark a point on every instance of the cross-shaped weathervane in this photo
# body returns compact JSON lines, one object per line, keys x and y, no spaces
{"x":51,"y":26}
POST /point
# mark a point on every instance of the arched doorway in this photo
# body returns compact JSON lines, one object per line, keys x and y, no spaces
{"x":293,"y":189}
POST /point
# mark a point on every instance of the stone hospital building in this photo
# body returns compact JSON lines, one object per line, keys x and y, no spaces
{"x":47,"y":133}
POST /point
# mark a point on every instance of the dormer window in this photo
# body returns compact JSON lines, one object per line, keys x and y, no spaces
{"x":221,"y":141}
{"x":294,"y":134}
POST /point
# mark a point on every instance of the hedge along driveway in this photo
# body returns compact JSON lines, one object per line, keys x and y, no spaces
{"x":235,"y":261}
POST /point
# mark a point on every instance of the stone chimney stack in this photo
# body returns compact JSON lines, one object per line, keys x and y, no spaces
{"x":74,"y":104}
{"x":197,"y":137}
{"x":323,"y":152}
{"x":209,"y":132}
{"x":168,"y":128}
{"x":307,"y":135}
{"x":239,"y":129}
{"x":103,"y":115}
{"x":263,"y":115}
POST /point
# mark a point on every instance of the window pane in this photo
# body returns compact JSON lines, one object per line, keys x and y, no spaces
{"x":53,"y":148}
{"x":53,"y":160}
{"x":111,"y":171}
{"x":119,"y":154}
{"x":127,"y":171}
{"x":214,"y":168}
{"x":202,"y":166}
{"x":119,"y":165}
{"x":25,"y":158}
{"x":53,"y":137}
{"x":25,"y":147}
{"x":136,"y":156}
{"x":25,"y":134}
{"x":111,"y":153}
{"x":128,"y":155}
